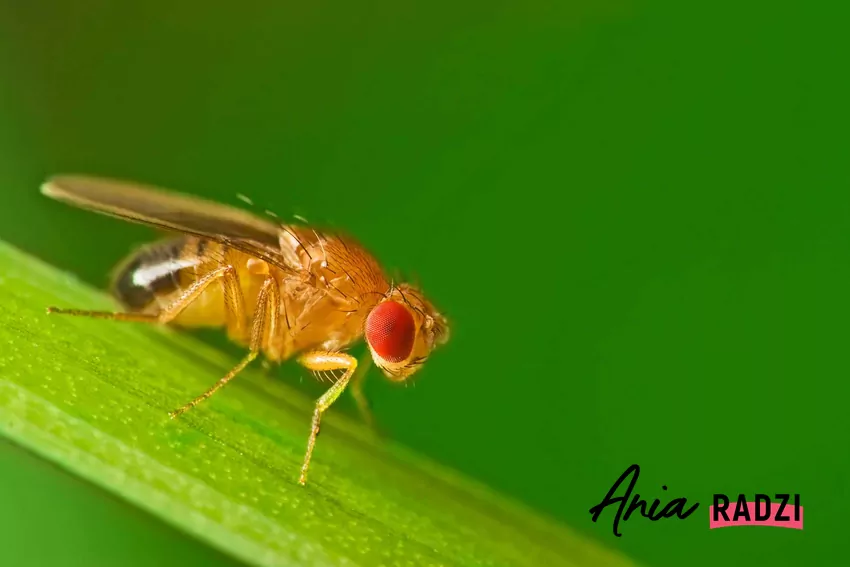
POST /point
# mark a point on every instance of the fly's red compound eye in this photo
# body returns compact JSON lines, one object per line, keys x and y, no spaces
{"x":390,"y":331}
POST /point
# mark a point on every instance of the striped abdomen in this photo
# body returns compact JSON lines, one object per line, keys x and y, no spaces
{"x":158,"y":272}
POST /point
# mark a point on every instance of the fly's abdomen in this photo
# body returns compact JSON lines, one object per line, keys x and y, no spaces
{"x":155,"y":274}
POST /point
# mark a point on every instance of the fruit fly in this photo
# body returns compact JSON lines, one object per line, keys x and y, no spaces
{"x":282,"y":290}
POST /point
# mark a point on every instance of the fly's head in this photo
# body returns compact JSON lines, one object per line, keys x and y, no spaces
{"x":402,"y":330}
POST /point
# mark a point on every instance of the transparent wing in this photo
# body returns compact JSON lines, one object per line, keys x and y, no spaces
{"x":145,"y":204}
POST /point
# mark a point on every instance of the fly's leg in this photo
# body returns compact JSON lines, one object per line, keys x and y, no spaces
{"x":264,"y":325}
{"x":319,"y":361}
{"x":357,"y":390}
{"x":232,"y":294}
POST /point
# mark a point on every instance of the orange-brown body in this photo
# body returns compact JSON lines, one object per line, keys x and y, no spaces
{"x":281,"y":290}
{"x":323,"y":303}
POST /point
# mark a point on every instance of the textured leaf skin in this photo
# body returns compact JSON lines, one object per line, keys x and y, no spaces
{"x":92,"y":396}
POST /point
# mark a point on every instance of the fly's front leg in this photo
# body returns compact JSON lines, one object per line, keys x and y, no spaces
{"x":264,"y":325}
{"x":319,"y":361}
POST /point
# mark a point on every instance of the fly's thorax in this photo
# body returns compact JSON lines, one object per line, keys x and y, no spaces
{"x":319,"y":316}
{"x":326,"y":297}
{"x":401,"y":326}
{"x":332,"y":262}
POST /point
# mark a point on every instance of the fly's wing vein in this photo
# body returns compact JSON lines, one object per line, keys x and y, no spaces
{"x":152,"y":206}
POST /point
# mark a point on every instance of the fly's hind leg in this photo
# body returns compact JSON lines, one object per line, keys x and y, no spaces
{"x":320,"y":361}
{"x":232,"y":293}
{"x":263,"y":327}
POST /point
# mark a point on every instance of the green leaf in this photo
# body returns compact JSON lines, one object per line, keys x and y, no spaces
{"x":93,"y":396}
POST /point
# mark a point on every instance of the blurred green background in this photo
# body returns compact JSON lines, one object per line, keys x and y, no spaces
{"x":635,"y":213}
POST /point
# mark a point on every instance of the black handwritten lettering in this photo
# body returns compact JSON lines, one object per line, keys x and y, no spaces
{"x":676,"y":507}
{"x":608,"y":500}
